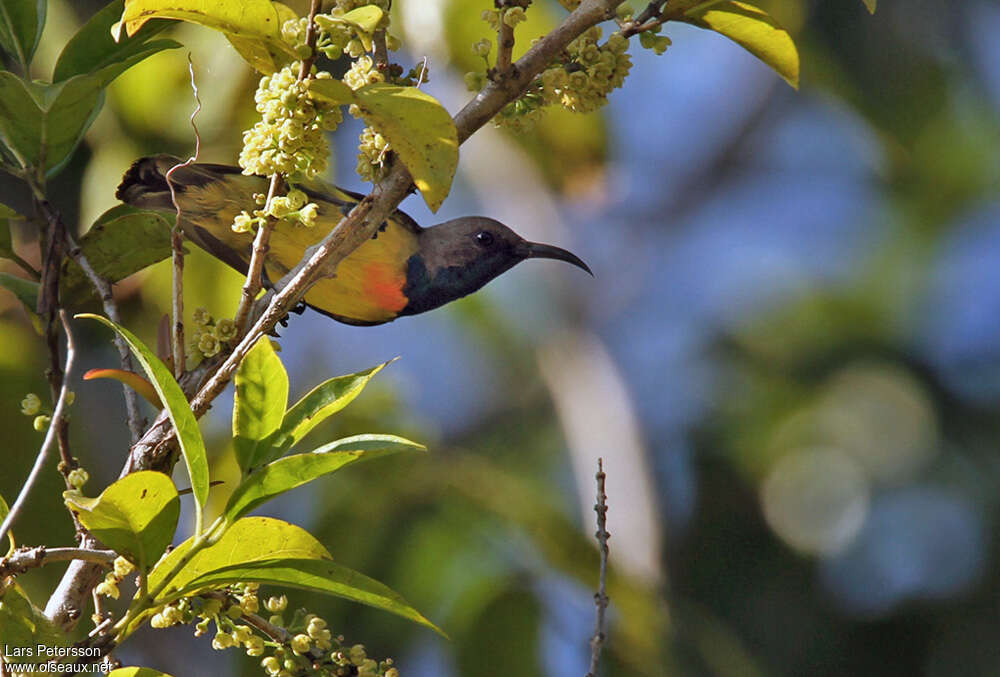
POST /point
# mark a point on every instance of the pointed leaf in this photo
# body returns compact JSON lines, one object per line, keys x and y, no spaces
{"x":752,"y":28}
{"x":289,"y":472}
{"x":131,"y":379}
{"x":259,"y":403}
{"x":136,"y":516}
{"x":122,"y":241}
{"x":870,"y":4}
{"x":420,"y":132}
{"x":93,"y":49}
{"x":317,"y":575}
{"x":188,"y":434}
{"x":21,"y":24}
{"x":43,"y":124}
{"x":321,"y":402}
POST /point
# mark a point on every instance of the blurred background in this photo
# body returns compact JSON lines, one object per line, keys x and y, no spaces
{"x":788,"y":359}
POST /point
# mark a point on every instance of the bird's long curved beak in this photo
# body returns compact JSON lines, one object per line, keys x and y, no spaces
{"x":536,"y":250}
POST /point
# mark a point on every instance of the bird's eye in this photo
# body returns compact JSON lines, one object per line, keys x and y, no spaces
{"x":484,"y":238}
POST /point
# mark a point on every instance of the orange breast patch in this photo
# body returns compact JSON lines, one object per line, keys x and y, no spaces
{"x":383,"y":286}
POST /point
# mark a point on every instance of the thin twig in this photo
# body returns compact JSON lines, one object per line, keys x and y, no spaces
{"x":505,"y":43}
{"x":601,"y":596}
{"x":253,"y":282}
{"x":380,"y":50}
{"x":50,"y":434}
{"x":25,"y":558}
{"x":650,"y":18}
{"x":136,"y":423}
{"x":177,"y":239}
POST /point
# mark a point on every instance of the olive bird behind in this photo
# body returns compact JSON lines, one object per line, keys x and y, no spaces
{"x":404,"y":269}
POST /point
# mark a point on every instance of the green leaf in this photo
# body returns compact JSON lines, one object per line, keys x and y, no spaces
{"x":287,"y":473}
{"x":94,"y":50}
{"x":365,"y":19}
{"x":420,"y":132}
{"x":26,"y":291}
{"x":122,"y":241}
{"x":752,"y":28}
{"x":24,"y":625}
{"x":319,"y":403}
{"x":246,"y":20}
{"x":136,"y":516}
{"x":250,"y":539}
{"x":21,"y":24}
{"x":137,"y":672}
{"x":331,"y":89}
{"x":179,"y":410}
{"x":259,"y":403}
{"x":317,"y":575}
{"x":6,"y":242}
{"x":43,"y":124}
{"x":870,"y":4}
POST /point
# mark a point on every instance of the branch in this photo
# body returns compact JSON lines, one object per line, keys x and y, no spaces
{"x":30,"y":558}
{"x":50,"y":435}
{"x":601,"y":596}
{"x":136,"y":424}
{"x":156,"y":448}
{"x":650,"y":18}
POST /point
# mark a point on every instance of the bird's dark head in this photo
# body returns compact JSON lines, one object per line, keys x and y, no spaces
{"x":458,"y":257}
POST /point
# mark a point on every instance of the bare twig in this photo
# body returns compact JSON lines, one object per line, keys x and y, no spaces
{"x":177,"y":240}
{"x":155,"y":449}
{"x":601,"y":596}
{"x":253,"y":282}
{"x":24,"y":558}
{"x":50,"y":434}
{"x":505,"y":43}
{"x":136,"y":424}
{"x":650,"y":18}
{"x":380,"y":50}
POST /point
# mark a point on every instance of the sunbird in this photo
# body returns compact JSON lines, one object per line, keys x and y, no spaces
{"x":404,"y":269}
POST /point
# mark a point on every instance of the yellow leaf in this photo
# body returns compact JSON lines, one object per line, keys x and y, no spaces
{"x":264,"y":56}
{"x":870,"y":4}
{"x":754,"y":29}
{"x":420,"y":132}
{"x":244,"y":20}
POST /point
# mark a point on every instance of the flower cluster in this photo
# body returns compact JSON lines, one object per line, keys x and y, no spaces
{"x":109,"y":587}
{"x":209,"y":334}
{"x":32,"y":405}
{"x":373,"y":155}
{"x":289,"y":138}
{"x":305,"y":646}
{"x":580,"y":81}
